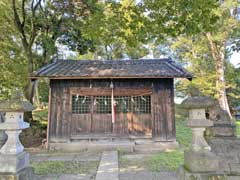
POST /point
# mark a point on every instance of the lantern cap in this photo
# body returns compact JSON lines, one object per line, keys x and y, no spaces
{"x":197,"y":102}
{"x":17,"y":103}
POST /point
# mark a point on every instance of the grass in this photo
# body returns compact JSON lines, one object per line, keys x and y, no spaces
{"x":238,"y":128}
{"x":64,"y":167}
{"x":169,"y":161}
{"x":183,"y":134}
{"x":172,"y":160}
{"x":165,"y":161}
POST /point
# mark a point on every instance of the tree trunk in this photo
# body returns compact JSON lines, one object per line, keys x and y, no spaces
{"x":29,"y":90}
{"x":218,"y":54}
{"x":36,"y":98}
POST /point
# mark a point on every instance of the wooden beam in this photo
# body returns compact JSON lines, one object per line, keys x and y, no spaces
{"x":107,"y":91}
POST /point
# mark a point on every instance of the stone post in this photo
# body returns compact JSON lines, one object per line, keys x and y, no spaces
{"x":199,"y":161}
{"x":14,"y":161}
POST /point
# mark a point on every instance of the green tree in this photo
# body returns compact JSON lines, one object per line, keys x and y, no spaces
{"x":41,"y":24}
{"x":117,"y":30}
{"x":207,"y":56}
{"x":13,"y":71}
{"x":225,"y":30}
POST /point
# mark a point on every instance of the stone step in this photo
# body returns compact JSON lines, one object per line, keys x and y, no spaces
{"x":108,"y":167}
{"x":155,"y":146}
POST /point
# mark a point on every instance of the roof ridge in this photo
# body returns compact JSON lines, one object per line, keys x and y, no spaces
{"x":115,"y":60}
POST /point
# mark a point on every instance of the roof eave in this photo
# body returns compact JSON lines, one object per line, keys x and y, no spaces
{"x":109,"y":77}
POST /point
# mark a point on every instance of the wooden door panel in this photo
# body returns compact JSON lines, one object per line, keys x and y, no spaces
{"x":102,"y":123}
{"x":141,"y":124}
{"x":81,"y":123}
{"x":121,"y":124}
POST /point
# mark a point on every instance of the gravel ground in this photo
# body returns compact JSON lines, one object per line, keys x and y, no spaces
{"x":64,"y":177}
{"x":146,"y":175}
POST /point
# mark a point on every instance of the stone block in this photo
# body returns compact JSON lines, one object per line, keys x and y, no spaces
{"x":197,"y":114}
{"x":156,"y":147}
{"x":185,"y":174}
{"x":199,"y":123}
{"x":225,"y":145}
{"x":13,"y":163}
{"x":231,"y":158}
{"x":201,"y":161}
{"x":24,"y":174}
{"x":224,"y":130}
{"x":224,"y":166}
{"x":233,"y":177}
{"x":235,"y":169}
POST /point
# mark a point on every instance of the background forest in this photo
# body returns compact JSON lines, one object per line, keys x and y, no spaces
{"x":201,"y":35}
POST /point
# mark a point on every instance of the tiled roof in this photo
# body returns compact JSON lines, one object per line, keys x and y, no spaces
{"x":95,"y":69}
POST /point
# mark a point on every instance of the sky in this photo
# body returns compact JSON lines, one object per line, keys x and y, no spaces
{"x":235,"y":59}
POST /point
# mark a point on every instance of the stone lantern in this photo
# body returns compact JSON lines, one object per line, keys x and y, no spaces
{"x":14,"y":161}
{"x":199,"y":159}
{"x":197,"y":120}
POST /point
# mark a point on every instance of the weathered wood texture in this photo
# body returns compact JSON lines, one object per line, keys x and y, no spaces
{"x":163,"y":118}
{"x":160,"y":123}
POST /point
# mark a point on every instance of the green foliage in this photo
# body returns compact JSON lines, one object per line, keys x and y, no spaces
{"x":64,"y":167}
{"x":232,"y":75}
{"x":39,"y":125}
{"x":40,"y":118}
{"x":180,"y":17}
{"x":117,"y":29}
{"x":194,"y":52}
{"x":43,"y":88}
{"x":13,"y":70}
{"x":203,"y":56}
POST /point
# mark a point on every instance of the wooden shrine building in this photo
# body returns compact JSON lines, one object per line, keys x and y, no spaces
{"x":101,"y":100}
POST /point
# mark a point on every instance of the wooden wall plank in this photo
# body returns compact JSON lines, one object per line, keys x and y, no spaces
{"x":163,"y":110}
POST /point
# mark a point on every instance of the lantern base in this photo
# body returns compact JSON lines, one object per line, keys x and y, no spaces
{"x":201,"y":161}
{"x":185,"y":174}
{"x":13,"y":163}
{"x":24,"y":174}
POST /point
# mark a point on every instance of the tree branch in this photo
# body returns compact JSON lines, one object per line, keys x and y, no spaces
{"x":34,"y":31}
{"x":213,"y":46}
{"x":19,"y":24}
{"x":23,"y":13}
